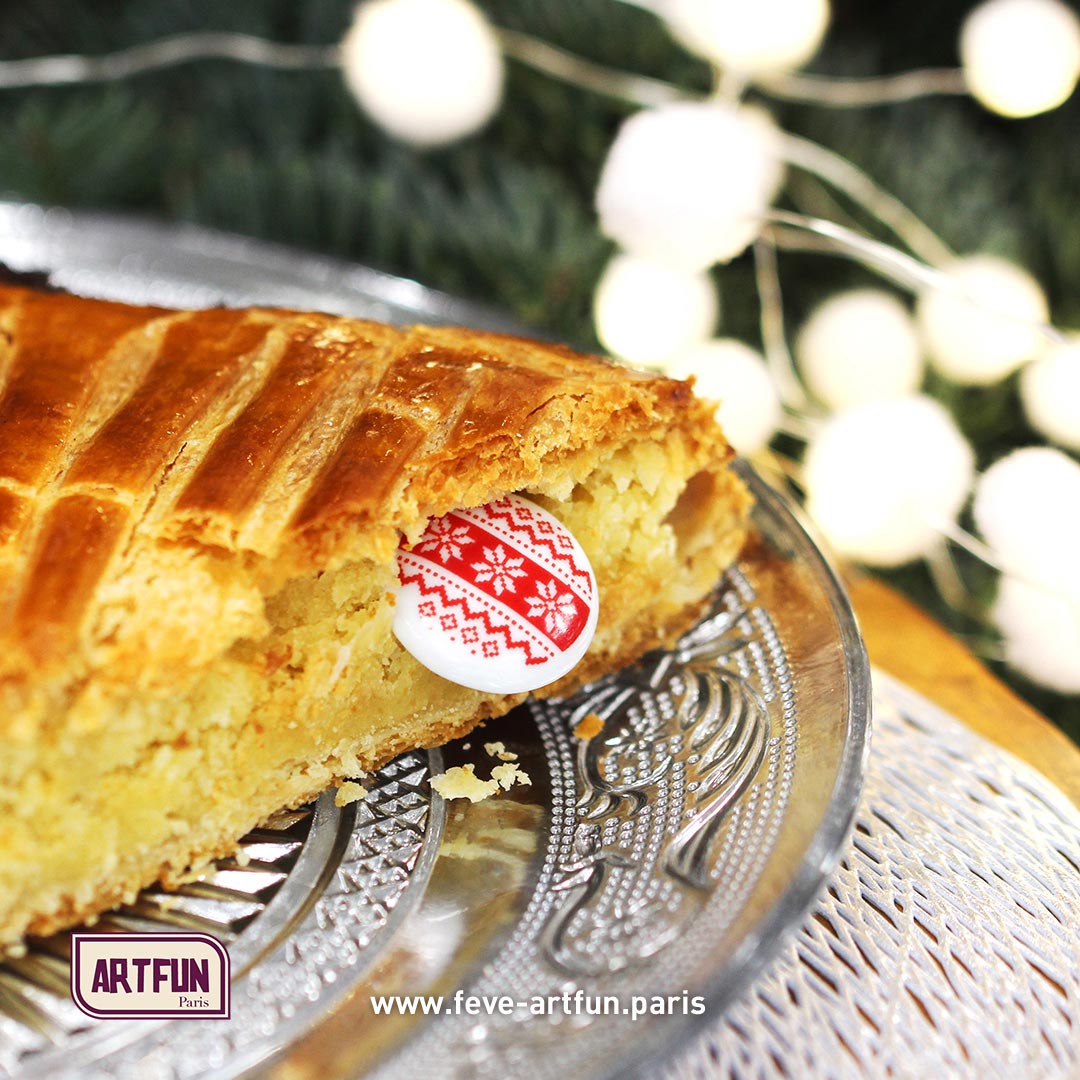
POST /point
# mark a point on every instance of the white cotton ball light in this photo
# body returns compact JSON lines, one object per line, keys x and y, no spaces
{"x":687,"y":184}
{"x":983,"y":321}
{"x":1027,"y":508}
{"x":427,"y":71}
{"x":1040,"y":630}
{"x":883,"y":478}
{"x":1021,"y":57}
{"x":1050,"y":393}
{"x":757,"y":38}
{"x":736,"y":376}
{"x":645,"y":311}
{"x":860,"y":346}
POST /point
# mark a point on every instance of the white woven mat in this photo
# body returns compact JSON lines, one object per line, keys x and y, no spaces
{"x":947,"y":941}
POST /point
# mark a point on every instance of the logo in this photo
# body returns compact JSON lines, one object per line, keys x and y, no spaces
{"x":124,"y":976}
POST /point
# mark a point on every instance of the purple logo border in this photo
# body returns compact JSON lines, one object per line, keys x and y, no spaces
{"x":222,"y":1013}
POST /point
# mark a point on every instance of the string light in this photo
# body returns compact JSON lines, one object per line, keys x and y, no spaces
{"x":860,"y":346}
{"x":1050,"y":393}
{"x":427,"y":71}
{"x":688,"y":183}
{"x":1040,"y":631}
{"x":985,"y":322}
{"x":1027,"y":508}
{"x":751,"y":38}
{"x":1021,"y":57}
{"x":733,"y":374}
{"x":881,"y":478}
{"x":645,"y":311}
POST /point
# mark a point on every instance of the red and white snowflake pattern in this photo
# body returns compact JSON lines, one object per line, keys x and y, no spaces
{"x":444,"y":537}
{"x":500,"y":569}
{"x":555,"y":607}
{"x":497,"y":585}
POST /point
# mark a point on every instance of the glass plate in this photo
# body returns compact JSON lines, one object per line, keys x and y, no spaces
{"x":585,"y":925}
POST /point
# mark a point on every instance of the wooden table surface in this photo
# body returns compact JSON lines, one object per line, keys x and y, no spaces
{"x":911,"y":646}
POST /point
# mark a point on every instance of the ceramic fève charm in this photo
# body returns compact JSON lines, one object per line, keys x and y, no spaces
{"x":497,"y":598}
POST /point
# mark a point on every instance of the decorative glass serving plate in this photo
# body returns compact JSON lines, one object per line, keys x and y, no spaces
{"x":583,"y":925}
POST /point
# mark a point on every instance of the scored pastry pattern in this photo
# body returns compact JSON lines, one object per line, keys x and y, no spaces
{"x":257,"y":431}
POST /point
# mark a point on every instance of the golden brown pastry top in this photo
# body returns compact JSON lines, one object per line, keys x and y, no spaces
{"x":271,"y":439}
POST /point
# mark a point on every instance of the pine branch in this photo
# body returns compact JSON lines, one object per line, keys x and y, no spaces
{"x":98,"y":150}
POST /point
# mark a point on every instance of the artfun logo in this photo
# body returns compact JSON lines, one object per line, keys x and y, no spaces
{"x":125,"y":976}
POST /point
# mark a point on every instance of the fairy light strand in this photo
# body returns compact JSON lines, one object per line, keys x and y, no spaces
{"x":557,"y":63}
{"x":164,"y":53}
{"x":773,"y":335}
{"x":950,"y":584}
{"x":803,"y":232}
{"x":836,"y":170}
{"x":568,"y":67}
{"x":852,"y":93}
{"x":553,"y":61}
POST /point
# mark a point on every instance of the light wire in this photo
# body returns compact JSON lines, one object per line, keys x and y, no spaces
{"x":164,"y":53}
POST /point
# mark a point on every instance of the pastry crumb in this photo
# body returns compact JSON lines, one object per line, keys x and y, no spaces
{"x":508,"y":775}
{"x":461,"y":782}
{"x":498,"y":749}
{"x":198,"y":871}
{"x":349,"y":792}
{"x":589,"y":726}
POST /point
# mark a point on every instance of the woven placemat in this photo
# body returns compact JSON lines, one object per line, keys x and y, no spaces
{"x":944,"y":944}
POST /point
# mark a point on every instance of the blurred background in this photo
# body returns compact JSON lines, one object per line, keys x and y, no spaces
{"x":507,"y":213}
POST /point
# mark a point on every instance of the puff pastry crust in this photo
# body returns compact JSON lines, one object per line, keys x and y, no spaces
{"x":199,"y":512}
